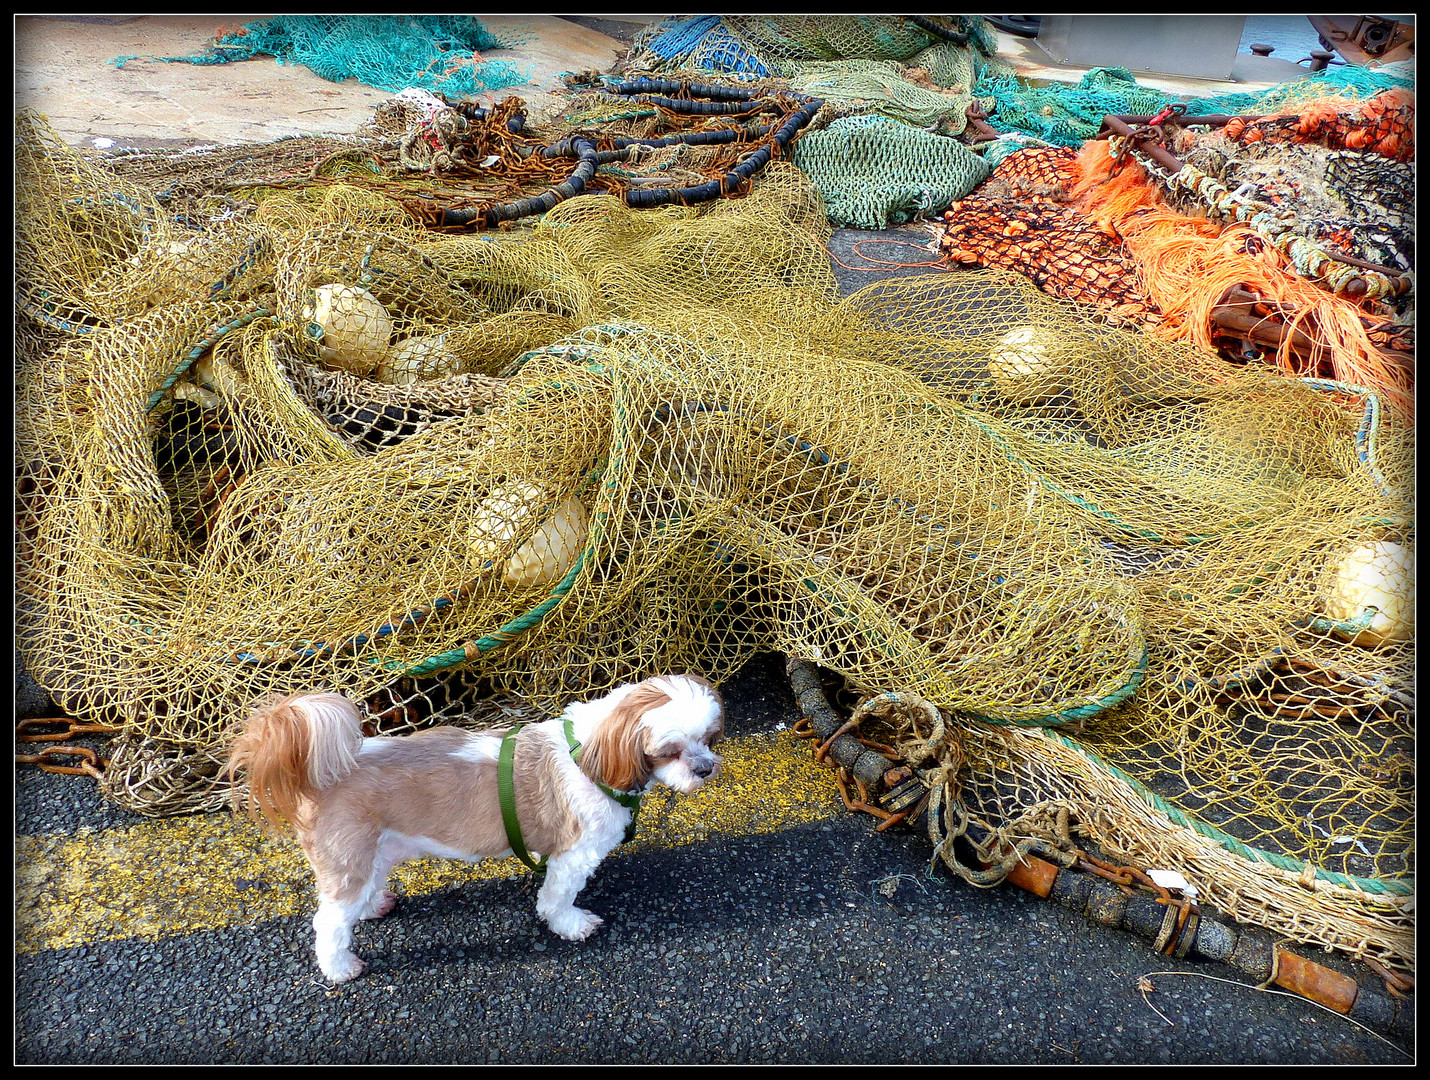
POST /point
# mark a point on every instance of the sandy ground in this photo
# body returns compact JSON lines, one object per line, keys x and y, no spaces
{"x":65,"y":68}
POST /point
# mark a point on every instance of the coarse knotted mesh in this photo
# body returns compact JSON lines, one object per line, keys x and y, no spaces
{"x":874,"y":172}
{"x":638,"y":441}
{"x":390,"y":52}
{"x":763,"y":45}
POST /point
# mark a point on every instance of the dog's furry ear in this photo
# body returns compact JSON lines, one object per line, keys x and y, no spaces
{"x":614,"y":754}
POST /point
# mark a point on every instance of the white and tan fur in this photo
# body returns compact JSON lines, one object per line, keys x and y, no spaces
{"x":359,"y":806}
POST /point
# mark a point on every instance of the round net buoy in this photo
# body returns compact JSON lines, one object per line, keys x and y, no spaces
{"x":351,"y":327}
{"x":1379,"y":576}
{"x":553,"y":548}
{"x":1026,"y":365}
{"x":416,"y":360}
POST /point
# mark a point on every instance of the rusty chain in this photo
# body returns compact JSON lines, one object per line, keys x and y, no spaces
{"x":91,"y":763}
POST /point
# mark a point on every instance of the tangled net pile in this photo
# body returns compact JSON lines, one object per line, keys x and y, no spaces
{"x":1190,"y":258}
{"x":456,"y":165}
{"x":315,"y":445}
{"x":792,"y":45}
{"x":433,"y":52}
{"x":891,"y":89}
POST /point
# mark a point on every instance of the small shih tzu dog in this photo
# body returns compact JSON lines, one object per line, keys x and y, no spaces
{"x":567,"y":788}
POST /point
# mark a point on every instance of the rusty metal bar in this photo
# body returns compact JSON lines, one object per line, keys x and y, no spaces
{"x":1311,"y":980}
{"x":1149,"y":146}
{"x":977,"y":129}
{"x":1261,"y":330}
{"x":1239,"y":296}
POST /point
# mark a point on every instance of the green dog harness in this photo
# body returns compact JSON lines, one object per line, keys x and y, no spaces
{"x":506,"y":793}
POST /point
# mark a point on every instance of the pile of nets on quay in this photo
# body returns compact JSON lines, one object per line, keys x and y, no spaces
{"x":1281,"y":231}
{"x":895,"y":91}
{"x":282,"y":428}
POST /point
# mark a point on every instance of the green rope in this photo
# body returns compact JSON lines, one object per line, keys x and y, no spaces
{"x":216,"y":335}
{"x":1079,"y":713}
{"x":506,"y":634}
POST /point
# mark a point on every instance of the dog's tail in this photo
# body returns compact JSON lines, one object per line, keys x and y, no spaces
{"x":291,"y":748}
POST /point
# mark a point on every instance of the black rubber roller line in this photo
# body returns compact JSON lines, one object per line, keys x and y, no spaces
{"x":645,"y":198}
{"x":671,"y":86}
{"x":569,"y":188}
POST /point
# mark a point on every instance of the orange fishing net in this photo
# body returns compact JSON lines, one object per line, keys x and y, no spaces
{"x":1090,"y":227}
{"x":1189,"y":266}
{"x":1021,"y":220}
{"x":1383,"y":125}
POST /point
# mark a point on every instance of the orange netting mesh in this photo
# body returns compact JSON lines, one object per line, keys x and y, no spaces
{"x":1383,"y":125}
{"x":1022,"y":220}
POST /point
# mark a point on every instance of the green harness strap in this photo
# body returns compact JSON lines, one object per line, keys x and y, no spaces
{"x":506,"y":793}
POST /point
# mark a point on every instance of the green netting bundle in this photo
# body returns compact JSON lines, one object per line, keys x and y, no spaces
{"x":886,"y":87}
{"x":875,"y":172}
{"x":390,"y":52}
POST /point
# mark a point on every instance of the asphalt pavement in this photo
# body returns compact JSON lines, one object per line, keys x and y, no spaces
{"x":820,"y":942}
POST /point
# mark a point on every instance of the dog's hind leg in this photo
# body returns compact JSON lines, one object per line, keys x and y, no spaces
{"x":392,"y":849}
{"x":333,"y":927}
{"x":346,"y":888}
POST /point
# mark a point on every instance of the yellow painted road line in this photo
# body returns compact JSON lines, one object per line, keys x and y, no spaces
{"x":184,"y":875}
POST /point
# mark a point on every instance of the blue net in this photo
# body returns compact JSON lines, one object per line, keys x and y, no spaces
{"x":389,"y":52}
{"x":704,"y":42}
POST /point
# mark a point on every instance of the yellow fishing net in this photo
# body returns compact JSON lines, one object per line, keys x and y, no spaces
{"x":314,"y":447}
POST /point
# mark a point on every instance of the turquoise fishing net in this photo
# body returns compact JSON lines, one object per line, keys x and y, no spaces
{"x":1066,"y":115}
{"x":1069,"y":115}
{"x":1342,"y":80}
{"x":389,"y":52}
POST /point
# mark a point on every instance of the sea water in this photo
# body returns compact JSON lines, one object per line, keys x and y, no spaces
{"x":1292,"y":36}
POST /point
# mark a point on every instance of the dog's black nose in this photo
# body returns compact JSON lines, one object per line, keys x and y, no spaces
{"x":705,"y":769}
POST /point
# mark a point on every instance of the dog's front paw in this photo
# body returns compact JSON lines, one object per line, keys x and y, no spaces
{"x":344,"y":967}
{"x":575,"y":925}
